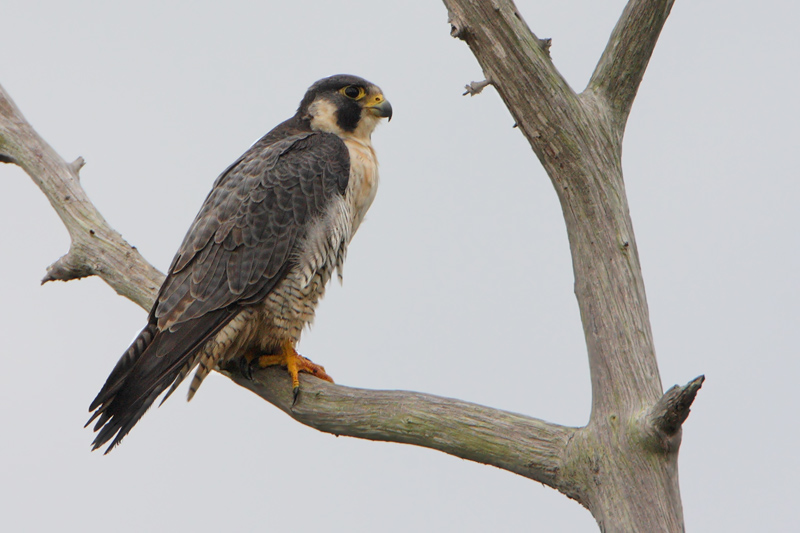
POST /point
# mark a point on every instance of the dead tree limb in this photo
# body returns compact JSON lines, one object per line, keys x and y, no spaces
{"x":623,"y":465}
{"x":627,"y":480}
{"x":518,"y":443}
{"x":96,"y":248}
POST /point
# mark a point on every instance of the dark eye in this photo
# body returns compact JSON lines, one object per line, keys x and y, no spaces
{"x":353,"y":91}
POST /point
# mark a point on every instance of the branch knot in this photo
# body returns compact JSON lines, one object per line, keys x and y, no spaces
{"x":67,"y":268}
{"x":458,"y":29}
{"x":671,"y":411}
{"x":76,"y":166}
{"x":544,"y":44}
{"x":476,"y":87}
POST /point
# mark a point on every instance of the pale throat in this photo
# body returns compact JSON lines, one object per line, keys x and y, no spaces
{"x":323,"y":118}
{"x":363,"y":183}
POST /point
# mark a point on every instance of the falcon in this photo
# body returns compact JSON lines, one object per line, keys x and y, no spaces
{"x":255,"y":261}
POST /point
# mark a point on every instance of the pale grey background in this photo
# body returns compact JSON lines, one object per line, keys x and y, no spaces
{"x":459,"y":283}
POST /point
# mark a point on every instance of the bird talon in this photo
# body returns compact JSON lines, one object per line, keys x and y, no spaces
{"x":246,"y":366}
{"x":294,"y":364}
{"x":295,"y":394}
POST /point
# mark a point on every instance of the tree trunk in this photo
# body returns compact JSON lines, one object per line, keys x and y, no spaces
{"x":624,"y":462}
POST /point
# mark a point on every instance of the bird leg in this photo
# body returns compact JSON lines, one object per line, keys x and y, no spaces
{"x":294,"y":363}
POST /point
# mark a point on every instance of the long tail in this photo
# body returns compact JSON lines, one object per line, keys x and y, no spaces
{"x":109,"y":404}
{"x":155,"y":360}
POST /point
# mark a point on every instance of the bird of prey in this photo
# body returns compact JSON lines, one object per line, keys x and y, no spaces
{"x":255,"y":262}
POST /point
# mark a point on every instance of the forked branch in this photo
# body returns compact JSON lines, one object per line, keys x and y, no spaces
{"x":623,"y":63}
{"x":625,"y":462}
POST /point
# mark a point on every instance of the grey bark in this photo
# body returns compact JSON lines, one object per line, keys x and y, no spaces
{"x":96,"y":248}
{"x":624,"y":462}
{"x":623,"y":465}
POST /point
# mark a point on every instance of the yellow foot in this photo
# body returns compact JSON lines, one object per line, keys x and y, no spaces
{"x":294,"y":363}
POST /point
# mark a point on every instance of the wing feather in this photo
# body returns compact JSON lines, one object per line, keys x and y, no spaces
{"x":253,"y":220}
{"x":241,"y":244}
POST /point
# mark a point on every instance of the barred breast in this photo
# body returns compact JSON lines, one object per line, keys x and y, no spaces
{"x":290,"y":307}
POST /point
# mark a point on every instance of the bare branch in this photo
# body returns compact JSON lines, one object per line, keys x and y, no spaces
{"x":671,"y":411}
{"x":581,"y":151}
{"x":519,"y":65}
{"x":96,"y":249}
{"x":476,"y":87}
{"x":624,"y":470}
{"x":520,"y":444}
{"x":517,"y":443}
{"x":67,"y":268}
{"x":76,"y":166}
{"x":623,"y":63}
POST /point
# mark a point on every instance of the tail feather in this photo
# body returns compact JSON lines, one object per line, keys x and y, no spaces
{"x":207,"y":362}
{"x":187,"y":367}
{"x":155,"y":360}
{"x":117,"y":377}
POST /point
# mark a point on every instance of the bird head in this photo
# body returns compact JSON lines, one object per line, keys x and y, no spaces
{"x":346,"y":105}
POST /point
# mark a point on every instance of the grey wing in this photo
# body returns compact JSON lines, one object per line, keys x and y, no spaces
{"x":239,"y":247}
{"x":242,"y":241}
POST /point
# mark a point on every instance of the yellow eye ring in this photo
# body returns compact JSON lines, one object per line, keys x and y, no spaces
{"x":354,"y":92}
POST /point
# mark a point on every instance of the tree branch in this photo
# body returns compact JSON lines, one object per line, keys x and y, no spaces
{"x":581,"y":150}
{"x":628,"y":483}
{"x":668,"y":415}
{"x":476,"y":87}
{"x":517,"y":443}
{"x":523,"y":73}
{"x":520,"y":444}
{"x":96,"y":249}
{"x":623,"y":63}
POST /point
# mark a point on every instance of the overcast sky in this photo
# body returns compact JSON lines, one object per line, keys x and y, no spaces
{"x":159,"y":97}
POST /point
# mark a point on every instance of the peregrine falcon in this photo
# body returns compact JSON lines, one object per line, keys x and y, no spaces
{"x":255,"y":262}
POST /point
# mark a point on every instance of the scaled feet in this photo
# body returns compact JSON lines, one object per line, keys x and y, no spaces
{"x":294,"y":363}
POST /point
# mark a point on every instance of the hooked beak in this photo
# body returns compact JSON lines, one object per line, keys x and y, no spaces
{"x":380,"y":107}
